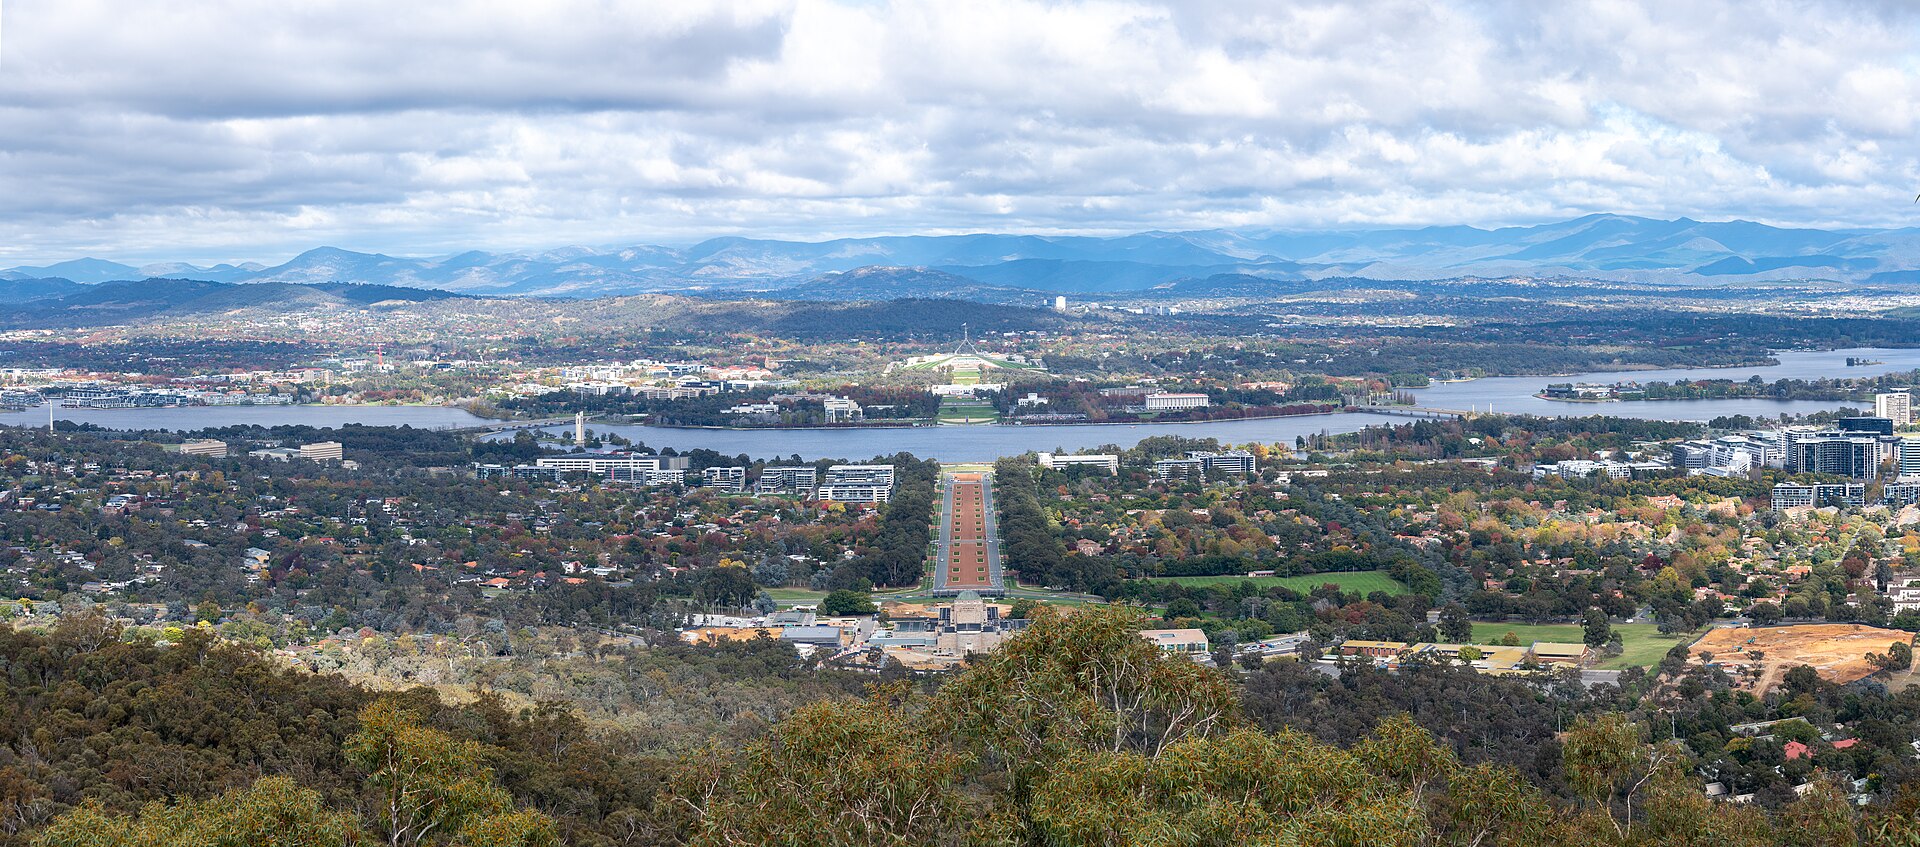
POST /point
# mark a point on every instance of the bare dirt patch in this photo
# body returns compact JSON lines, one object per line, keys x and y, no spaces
{"x":1761,"y":657}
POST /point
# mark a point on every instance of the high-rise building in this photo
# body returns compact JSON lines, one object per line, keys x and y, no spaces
{"x":1854,"y":454}
{"x":1896,"y":406}
{"x":1060,"y":304}
{"x":1909,"y":457}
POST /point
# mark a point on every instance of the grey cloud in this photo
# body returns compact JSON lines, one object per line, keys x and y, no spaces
{"x":235,"y":130}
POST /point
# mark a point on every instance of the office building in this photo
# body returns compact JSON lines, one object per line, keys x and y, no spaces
{"x":787,"y":479}
{"x":1867,"y":424}
{"x":1059,"y":461}
{"x":1059,"y":303}
{"x":1585,"y":469}
{"x":1909,"y":457}
{"x":1238,"y":462}
{"x":1692,"y":455}
{"x":322,"y":451}
{"x":1161,"y":402}
{"x":841,"y":410}
{"x":1896,"y":406}
{"x":604,"y":464}
{"x":1170,"y":469}
{"x":208,"y":447}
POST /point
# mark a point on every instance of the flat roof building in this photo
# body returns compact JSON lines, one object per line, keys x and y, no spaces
{"x":1895,"y":406}
{"x":1191,"y":643}
{"x":204,"y":447}
{"x":1058,"y":461}
{"x":322,"y":451}
{"x":604,"y":464}
{"x":1160,"y":402}
{"x":1824,"y":494}
{"x":787,"y":479}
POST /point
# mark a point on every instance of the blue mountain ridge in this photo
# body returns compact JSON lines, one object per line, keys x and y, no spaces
{"x":1600,"y":247}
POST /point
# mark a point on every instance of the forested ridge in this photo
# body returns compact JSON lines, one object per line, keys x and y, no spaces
{"x":1076,"y":733}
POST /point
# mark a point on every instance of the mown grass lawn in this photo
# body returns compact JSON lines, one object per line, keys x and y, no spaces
{"x":1365,"y":582}
{"x":1642,"y":643}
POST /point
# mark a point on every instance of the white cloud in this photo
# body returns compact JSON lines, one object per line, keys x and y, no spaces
{"x":228,"y":129}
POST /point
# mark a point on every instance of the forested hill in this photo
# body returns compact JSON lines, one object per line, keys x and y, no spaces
{"x":1076,"y":733}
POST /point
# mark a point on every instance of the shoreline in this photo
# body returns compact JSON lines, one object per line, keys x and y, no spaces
{"x":1327,"y":413}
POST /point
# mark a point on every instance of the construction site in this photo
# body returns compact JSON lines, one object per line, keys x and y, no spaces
{"x":1759,"y":658}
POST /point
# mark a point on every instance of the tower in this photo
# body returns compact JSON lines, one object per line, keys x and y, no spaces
{"x":579,"y":429}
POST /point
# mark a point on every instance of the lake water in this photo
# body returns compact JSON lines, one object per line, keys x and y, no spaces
{"x":184,"y":418}
{"x":978,"y":443}
{"x":984,"y":443}
{"x":1514,"y":394}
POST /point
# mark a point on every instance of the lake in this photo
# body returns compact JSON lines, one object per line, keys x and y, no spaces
{"x":1514,"y":394}
{"x":185,"y":418}
{"x":985,"y":443}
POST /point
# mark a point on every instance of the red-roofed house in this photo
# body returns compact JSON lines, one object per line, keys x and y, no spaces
{"x":1796,"y":750}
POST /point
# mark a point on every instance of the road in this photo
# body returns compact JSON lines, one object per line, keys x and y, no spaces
{"x":967,"y":556}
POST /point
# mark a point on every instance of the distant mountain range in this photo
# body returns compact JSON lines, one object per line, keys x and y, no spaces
{"x":59,"y":302}
{"x":1019,"y":267}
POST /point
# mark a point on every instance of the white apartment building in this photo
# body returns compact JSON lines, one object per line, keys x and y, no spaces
{"x":787,"y":479}
{"x":725,"y":479}
{"x":857,"y":484}
{"x":1848,"y":493}
{"x":1199,"y":463}
{"x":648,"y":477}
{"x":1160,"y":402}
{"x":1896,"y":406}
{"x":604,"y":464}
{"x":1057,"y":461}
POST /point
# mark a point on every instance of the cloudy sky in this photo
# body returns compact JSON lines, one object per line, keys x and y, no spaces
{"x":207,"y":130}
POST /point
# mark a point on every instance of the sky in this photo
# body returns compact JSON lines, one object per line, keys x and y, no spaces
{"x":228,"y":130}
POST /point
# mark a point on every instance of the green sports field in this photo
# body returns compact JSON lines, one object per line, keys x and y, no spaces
{"x":794,"y":596}
{"x":958,"y":410}
{"x":1365,"y":582}
{"x":1642,"y":642}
